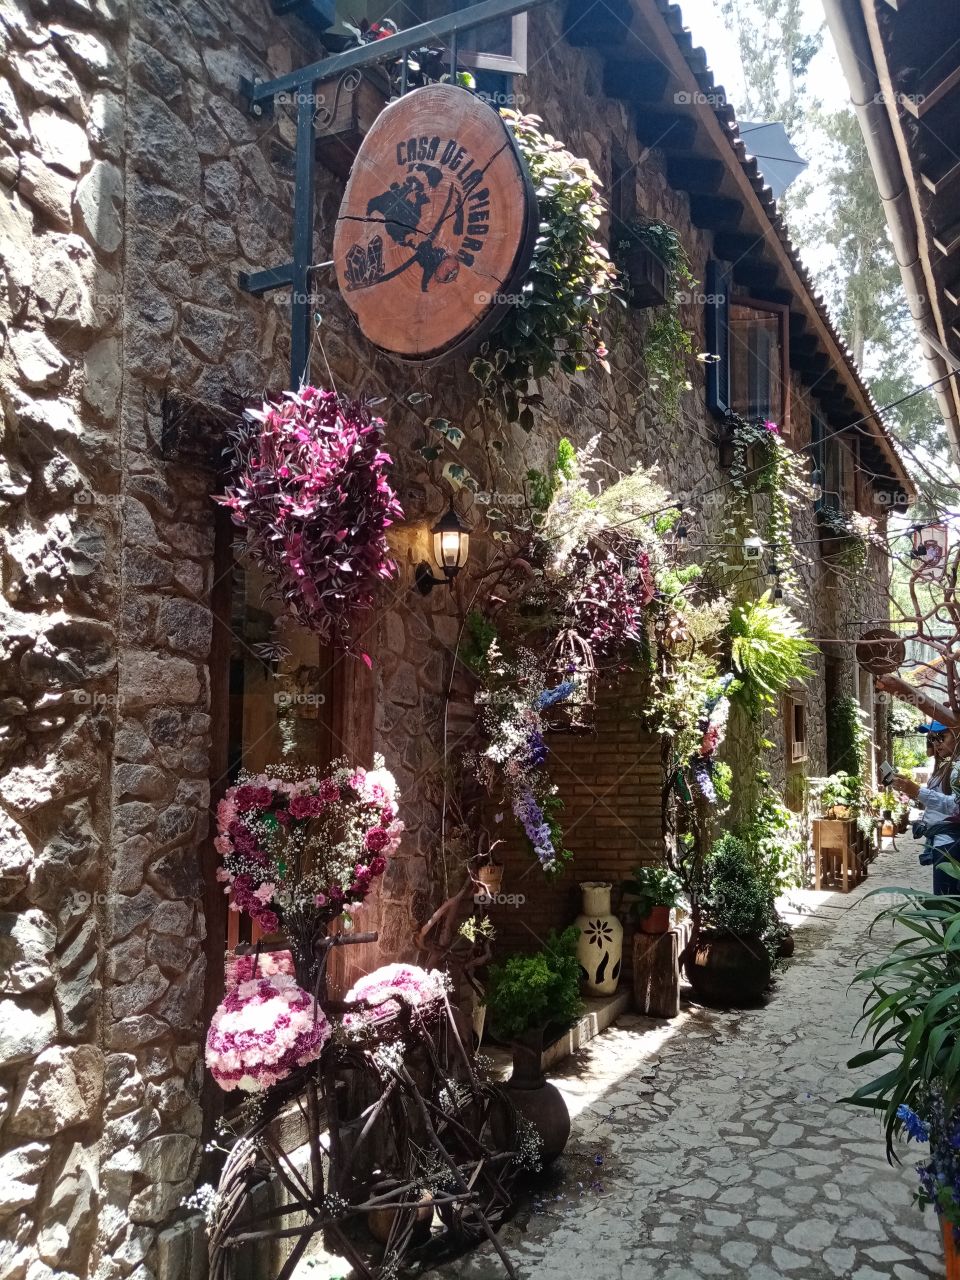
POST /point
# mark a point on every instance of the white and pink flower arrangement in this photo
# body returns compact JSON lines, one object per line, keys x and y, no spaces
{"x":265,"y":1028}
{"x":299,"y":848}
{"x":389,"y":986}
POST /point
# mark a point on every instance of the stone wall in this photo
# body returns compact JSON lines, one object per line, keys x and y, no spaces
{"x":133,"y":190}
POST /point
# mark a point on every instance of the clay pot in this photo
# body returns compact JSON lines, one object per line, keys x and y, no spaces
{"x":380,"y":1221}
{"x":658,"y":921}
{"x":951,"y":1254}
{"x":727,"y":971}
{"x":490,"y":876}
{"x":787,"y":944}
{"x":600,"y":945}
{"x":536,"y":1099}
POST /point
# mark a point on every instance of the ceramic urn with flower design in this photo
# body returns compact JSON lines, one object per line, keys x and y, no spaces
{"x":600,"y":945}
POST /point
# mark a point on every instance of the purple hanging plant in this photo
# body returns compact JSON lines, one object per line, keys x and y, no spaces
{"x":310,"y":488}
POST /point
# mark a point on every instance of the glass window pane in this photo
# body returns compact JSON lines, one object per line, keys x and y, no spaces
{"x":756,"y":363}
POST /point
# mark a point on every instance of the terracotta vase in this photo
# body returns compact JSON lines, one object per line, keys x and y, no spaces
{"x":600,"y":945}
{"x":535,"y":1098}
{"x":951,"y":1254}
{"x":658,"y":921}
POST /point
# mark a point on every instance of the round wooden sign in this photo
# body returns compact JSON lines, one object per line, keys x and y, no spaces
{"x":437,"y":225}
{"x":881,"y":651}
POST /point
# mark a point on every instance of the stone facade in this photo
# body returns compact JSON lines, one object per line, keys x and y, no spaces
{"x":133,"y":190}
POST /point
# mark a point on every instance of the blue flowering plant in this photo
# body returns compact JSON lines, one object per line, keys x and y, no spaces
{"x":512,"y":698}
{"x":911,"y":1016}
{"x":939,"y":1174}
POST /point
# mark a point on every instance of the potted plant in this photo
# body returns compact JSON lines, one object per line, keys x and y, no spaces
{"x":912,"y":1017}
{"x":654,"y":891}
{"x":526,"y":993}
{"x":728,"y":960}
{"x":837,"y":795}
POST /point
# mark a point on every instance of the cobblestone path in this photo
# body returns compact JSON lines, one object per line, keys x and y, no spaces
{"x":716,"y":1145}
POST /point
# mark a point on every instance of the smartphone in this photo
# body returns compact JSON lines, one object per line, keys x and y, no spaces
{"x":887,"y":773}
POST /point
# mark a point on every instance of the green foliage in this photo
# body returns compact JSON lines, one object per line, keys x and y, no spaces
{"x":526,"y":992}
{"x":848,"y":740}
{"x":763,"y":464}
{"x":667,"y":344}
{"x":909,"y":753}
{"x":911,"y":1010}
{"x":556,"y":320}
{"x":775,"y":837}
{"x":769,"y":653}
{"x":478,"y":637}
{"x":544,"y":487}
{"x":839,"y":789}
{"x":653,"y":887}
{"x":738,"y":898}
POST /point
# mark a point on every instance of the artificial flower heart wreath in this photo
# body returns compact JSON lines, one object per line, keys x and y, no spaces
{"x":299,"y":848}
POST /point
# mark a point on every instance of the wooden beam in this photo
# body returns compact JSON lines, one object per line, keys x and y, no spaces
{"x":804,"y":344}
{"x":755,"y":274}
{"x":597,"y":26}
{"x":642,"y":83}
{"x":698,"y":174}
{"x":715,"y":213}
{"x":918,"y":104}
{"x":735,"y":246}
{"x":948,"y":240}
{"x":798,"y":323}
{"x":782,"y":297}
{"x":940,"y":184}
{"x":668,"y":132}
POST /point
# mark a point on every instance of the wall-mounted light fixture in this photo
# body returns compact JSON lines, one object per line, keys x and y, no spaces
{"x":451,"y":546}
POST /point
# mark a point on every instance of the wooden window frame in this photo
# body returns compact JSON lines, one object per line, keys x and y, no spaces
{"x":797,"y":751}
{"x":719,"y":297}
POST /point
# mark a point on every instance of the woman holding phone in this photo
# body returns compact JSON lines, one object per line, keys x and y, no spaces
{"x":940,"y":800}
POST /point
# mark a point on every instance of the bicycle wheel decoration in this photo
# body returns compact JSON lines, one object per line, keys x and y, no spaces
{"x":367,"y":1127}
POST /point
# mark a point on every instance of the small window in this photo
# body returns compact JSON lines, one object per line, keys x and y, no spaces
{"x":837,"y":459}
{"x":749,"y":337}
{"x":499,"y":45}
{"x":795,"y":720}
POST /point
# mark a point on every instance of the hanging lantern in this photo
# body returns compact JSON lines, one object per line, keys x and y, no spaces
{"x":571,"y":659}
{"x":929,"y":554}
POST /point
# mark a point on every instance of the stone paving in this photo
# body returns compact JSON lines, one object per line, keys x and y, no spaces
{"x":716,"y":1145}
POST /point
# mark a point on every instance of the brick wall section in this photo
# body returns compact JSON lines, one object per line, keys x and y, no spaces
{"x":611,"y":783}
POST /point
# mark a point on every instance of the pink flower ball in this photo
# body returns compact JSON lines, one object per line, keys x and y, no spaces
{"x":392,"y":983}
{"x":264,"y":1029}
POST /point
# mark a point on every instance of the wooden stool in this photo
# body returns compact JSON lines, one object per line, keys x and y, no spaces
{"x":839,"y":854}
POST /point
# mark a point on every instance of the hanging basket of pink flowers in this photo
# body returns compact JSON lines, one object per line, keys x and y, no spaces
{"x":299,"y":848}
{"x":309,"y":486}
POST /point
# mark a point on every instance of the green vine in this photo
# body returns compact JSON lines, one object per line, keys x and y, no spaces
{"x":555,"y":320}
{"x":763,"y":464}
{"x":852,"y":530}
{"x":667,"y":344}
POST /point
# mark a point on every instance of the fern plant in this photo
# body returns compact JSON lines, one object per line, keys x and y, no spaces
{"x":769,"y":652}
